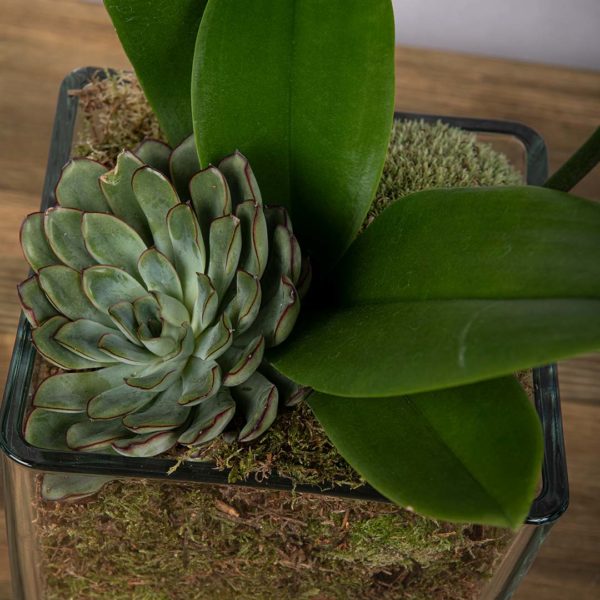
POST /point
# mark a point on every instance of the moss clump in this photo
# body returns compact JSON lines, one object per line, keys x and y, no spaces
{"x":422,"y":156}
{"x":158,"y":541}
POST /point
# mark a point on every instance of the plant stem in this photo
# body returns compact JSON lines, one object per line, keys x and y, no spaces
{"x":578,"y":166}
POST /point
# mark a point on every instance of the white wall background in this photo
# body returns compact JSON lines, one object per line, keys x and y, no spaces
{"x":563,"y":32}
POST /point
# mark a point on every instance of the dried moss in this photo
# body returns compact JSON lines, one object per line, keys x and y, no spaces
{"x":147,"y":540}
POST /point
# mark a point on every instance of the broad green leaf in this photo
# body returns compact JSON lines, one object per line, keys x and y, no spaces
{"x":406,"y":347}
{"x":467,"y":454}
{"x":449,"y":287}
{"x":305,"y":89}
{"x":158,"y":37}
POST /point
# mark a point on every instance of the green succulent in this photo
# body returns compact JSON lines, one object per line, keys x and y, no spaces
{"x":158,"y":286}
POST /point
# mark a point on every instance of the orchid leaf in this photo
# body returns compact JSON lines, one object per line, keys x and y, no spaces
{"x":159,"y":37}
{"x":306,"y":94}
{"x":449,"y":287}
{"x":466,"y":454}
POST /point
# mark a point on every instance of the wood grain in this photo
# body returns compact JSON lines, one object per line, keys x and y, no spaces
{"x":41,"y":40}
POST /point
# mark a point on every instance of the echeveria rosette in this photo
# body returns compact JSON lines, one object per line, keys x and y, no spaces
{"x":158,"y":286}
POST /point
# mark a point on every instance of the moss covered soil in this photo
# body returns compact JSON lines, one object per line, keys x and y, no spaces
{"x":155,"y":540}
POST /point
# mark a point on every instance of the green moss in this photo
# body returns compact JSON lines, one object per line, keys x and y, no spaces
{"x":159,"y":541}
{"x":148,"y":540}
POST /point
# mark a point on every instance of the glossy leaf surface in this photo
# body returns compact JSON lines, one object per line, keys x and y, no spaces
{"x":305,"y":89}
{"x":449,"y":287}
{"x":159,"y":37}
{"x":464,"y":454}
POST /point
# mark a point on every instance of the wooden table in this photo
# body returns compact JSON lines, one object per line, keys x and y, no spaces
{"x":41,"y":40}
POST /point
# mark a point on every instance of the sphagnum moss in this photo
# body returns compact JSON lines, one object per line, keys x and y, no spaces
{"x":159,"y":541}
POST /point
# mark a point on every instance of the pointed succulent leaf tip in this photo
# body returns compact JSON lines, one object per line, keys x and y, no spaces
{"x":156,"y":196}
{"x":210,"y":196}
{"x":290,"y":393}
{"x":79,"y":186}
{"x":118,"y":191}
{"x":159,"y":304}
{"x":240,"y":178}
{"x":159,"y":274}
{"x":183,"y":165}
{"x":36,"y":306}
{"x":155,"y":154}
{"x":63,"y":229}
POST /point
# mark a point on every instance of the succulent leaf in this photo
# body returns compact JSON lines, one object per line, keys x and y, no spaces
{"x":118,"y":191}
{"x":183,"y":165}
{"x":105,"y":286}
{"x":188,"y":248}
{"x":70,"y":488}
{"x":113,"y":242}
{"x":164,"y":414}
{"x":156,"y":196}
{"x":257,"y":398}
{"x":79,"y":186}
{"x":209,"y":419}
{"x":91,"y":436}
{"x":35,"y":305}
{"x":210,"y":195}
{"x":159,"y":274}
{"x":83,"y":337}
{"x":225,"y":246}
{"x":36,"y":247}
{"x":63,"y":229}
{"x":155,"y":154}
{"x":46,"y":344}
{"x":157,"y":308}
{"x":240,"y":178}
{"x":71,"y":392}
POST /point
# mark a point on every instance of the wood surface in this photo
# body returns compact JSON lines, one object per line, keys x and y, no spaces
{"x":41,"y":40}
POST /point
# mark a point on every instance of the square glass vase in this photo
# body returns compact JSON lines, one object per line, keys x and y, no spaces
{"x":332,"y":520}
